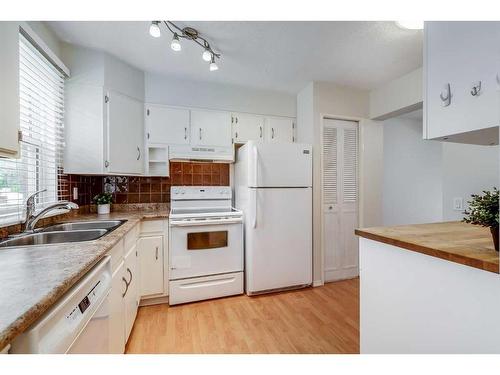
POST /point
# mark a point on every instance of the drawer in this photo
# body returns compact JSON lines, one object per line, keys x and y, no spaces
{"x":131,"y":238}
{"x":116,"y":254}
{"x":149,"y":226}
{"x":206,"y":287}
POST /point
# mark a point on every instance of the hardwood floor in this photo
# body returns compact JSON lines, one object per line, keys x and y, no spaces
{"x":313,"y":320}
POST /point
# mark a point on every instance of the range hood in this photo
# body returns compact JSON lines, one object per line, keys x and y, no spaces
{"x":202,"y":153}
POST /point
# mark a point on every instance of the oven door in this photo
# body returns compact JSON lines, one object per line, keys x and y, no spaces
{"x":205,"y":248}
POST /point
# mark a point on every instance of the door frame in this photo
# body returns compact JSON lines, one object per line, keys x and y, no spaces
{"x":358,"y":120}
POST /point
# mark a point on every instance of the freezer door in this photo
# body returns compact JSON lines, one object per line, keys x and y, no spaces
{"x":278,"y":234}
{"x":279,"y":164}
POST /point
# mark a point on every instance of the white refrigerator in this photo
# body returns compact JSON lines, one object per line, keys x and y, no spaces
{"x":273,"y":188}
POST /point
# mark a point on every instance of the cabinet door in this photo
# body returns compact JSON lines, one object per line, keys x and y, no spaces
{"x":125,"y":134}
{"x":279,"y":129}
{"x":460,"y":54}
{"x":167,"y":125}
{"x":151,"y":261}
{"x":117,"y":311}
{"x":211,"y":128}
{"x":131,"y":298}
{"x":247,"y":128}
{"x":9,"y":89}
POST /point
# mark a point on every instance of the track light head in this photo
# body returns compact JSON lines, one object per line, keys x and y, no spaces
{"x":176,"y":44}
{"x":213,"y":65}
{"x":154,"y":29}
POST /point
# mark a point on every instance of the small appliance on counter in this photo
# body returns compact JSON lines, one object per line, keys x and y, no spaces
{"x":273,"y":187}
{"x":206,"y":244}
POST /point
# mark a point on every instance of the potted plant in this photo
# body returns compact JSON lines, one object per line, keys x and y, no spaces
{"x":103,"y":201}
{"x":483,"y":210}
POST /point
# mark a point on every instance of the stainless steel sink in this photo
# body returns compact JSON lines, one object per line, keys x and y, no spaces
{"x":47,"y":238}
{"x":79,"y":225}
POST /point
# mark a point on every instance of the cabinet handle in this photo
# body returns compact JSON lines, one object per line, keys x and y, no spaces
{"x":200,"y":134}
{"x":236,"y":119}
{"x":138,"y":153}
{"x":236,"y":135}
{"x":272,"y":133}
{"x":476,"y":89}
{"x":156,"y":252}
{"x":130,"y":273}
{"x":106,"y":163}
{"x":260,"y":129}
{"x":126,"y":287}
{"x":185,"y":133}
{"x":446,"y":98}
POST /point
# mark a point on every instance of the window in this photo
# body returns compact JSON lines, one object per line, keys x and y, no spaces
{"x":41,"y":91}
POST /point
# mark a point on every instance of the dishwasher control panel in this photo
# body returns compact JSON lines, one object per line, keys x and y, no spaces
{"x":78,"y":310}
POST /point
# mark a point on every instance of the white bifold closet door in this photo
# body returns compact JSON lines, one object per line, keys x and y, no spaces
{"x":340,"y":199}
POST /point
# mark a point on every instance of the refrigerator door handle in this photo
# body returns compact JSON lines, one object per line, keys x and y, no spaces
{"x":256,"y":161}
{"x":255,"y":208}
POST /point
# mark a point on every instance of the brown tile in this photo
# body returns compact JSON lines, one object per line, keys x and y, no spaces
{"x":197,"y":168}
{"x":165,"y":188}
{"x":155,"y":187}
{"x":145,"y":188}
{"x":224,"y":180}
{"x":215,"y":168}
{"x":121,"y":198}
{"x":177,"y":179}
{"x":133,"y":198}
{"x":187,"y":168}
{"x":133,"y":187}
{"x":156,"y":198}
{"x":197,"y":179}
{"x":207,"y":179}
{"x":175,"y":167}
{"x":206,"y":168}
{"x":224,"y":169}
{"x":134,"y":180}
{"x":145,"y":198}
{"x":165,"y":198}
{"x":216,"y":179}
{"x":187,"y":179}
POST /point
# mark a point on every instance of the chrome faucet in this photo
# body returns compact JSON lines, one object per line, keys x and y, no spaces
{"x":32,"y":219}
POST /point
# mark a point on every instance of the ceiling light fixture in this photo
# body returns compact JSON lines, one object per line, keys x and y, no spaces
{"x":154,"y":29}
{"x":176,"y":44}
{"x":411,"y":25}
{"x":188,"y":33}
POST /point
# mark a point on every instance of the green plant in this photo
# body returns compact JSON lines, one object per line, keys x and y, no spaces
{"x":483,"y":209}
{"x":103,"y":198}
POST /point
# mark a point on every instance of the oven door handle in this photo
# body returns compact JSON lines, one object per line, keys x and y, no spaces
{"x":182,"y":223}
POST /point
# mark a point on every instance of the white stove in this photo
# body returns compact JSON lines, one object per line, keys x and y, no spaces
{"x":206,"y":244}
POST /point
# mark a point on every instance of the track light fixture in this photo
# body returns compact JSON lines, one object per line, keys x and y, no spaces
{"x":208,"y":55}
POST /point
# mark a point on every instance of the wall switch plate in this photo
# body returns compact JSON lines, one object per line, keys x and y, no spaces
{"x":458,"y":204}
{"x":75,"y":193}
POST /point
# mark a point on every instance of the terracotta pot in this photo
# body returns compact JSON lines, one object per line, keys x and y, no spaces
{"x":494,"y":233}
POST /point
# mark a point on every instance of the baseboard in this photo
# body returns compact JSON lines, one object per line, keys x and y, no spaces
{"x":153,"y":301}
{"x":318,"y":283}
{"x":341,"y":274}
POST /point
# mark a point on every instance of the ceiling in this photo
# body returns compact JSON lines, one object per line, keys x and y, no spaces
{"x":281,"y":56}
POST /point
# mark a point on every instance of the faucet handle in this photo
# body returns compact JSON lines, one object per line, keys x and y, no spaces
{"x":31,"y":198}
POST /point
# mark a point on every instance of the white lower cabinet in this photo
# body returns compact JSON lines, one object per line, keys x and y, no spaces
{"x":151,"y":263}
{"x":131,"y":297}
{"x":117,"y":311}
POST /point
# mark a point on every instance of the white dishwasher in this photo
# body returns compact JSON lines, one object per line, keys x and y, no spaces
{"x":78,"y":323}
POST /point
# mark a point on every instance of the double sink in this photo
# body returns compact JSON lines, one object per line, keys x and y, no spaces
{"x":79,"y":231}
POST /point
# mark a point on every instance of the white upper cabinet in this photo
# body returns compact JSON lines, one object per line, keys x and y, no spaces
{"x":211,"y":128}
{"x":9,"y":89}
{"x":247,"y":127}
{"x":166,"y":125}
{"x":279,"y":129}
{"x":461,"y":76}
{"x":125,"y":134}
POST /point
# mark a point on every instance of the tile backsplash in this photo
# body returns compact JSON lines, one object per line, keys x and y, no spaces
{"x":133,"y":189}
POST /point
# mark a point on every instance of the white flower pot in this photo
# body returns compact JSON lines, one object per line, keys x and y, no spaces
{"x":103,"y":209}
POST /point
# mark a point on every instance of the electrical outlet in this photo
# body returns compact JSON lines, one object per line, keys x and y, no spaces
{"x":458,"y":204}
{"x":75,"y":193}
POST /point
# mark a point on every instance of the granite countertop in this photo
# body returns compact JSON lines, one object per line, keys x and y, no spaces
{"x":458,"y":242}
{"x":33,"y":278}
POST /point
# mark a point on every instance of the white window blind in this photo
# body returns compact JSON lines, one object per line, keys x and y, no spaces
{"x":330,"y":165}
{"x":41,"y":90}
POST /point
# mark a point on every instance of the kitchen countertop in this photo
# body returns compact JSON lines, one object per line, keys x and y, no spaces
{"x":33,"y":278}
{"x":458,"y":242}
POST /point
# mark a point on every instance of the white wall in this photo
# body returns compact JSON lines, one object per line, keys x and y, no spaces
{"x":165,"y":90}
{"x":467,"y":169}
{"x":412,"y":187}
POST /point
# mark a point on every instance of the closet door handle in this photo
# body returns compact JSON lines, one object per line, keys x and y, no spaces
{"x":126,"y":287}
{"x":185,"y":133}
{"x":156,"y":256}
{"x":200,"y":134}
{"x":138,"y":153}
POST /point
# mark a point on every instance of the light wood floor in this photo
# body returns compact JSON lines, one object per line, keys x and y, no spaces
{"x":313,"y":320}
